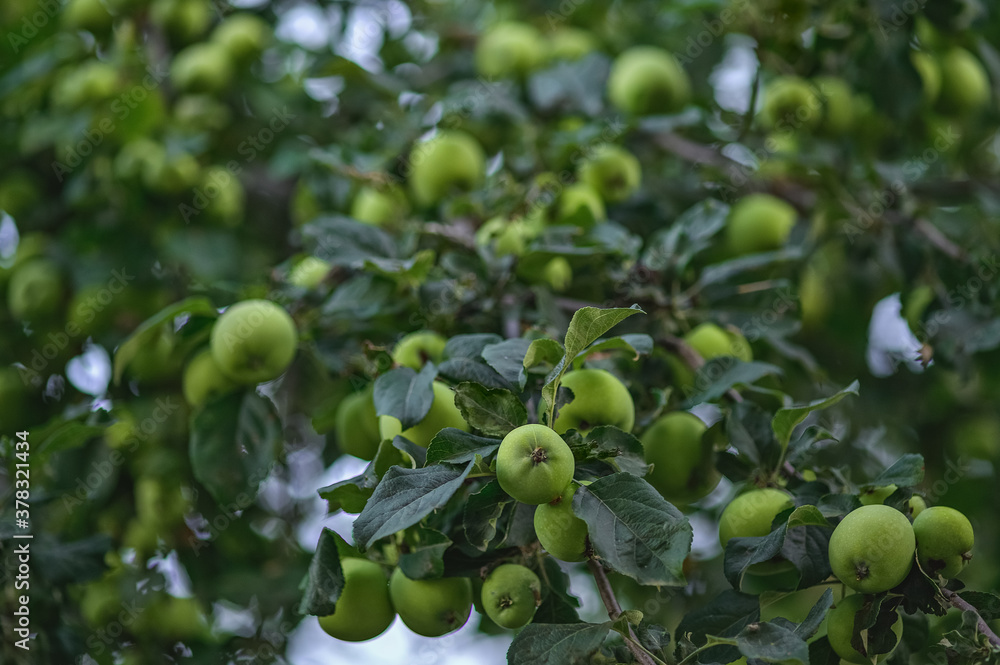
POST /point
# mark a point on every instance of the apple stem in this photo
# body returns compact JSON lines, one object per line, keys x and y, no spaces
{"x":615,"y":610}
{"x":959,"y":603}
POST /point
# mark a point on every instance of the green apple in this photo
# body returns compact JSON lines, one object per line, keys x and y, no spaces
{"x":512,"y":238}
{"x":796,"y":605}
{"x":511,"y":594}
{"x":509,"y":49}
{"x":171,"y":173}
{"x":87,"y":83}
{"x":791,"y":104}
{"x":683,"y":467}
{"x":838,"y":105}
{"x":876,"y":495}
{"x":560,"y":532}
{"x":580,"y":203}
{"x":443,"y":413}
{"x":254,"y":341}
{"x":203,"y":381}
{"x":183,"y":20}
{"x":309,"y":273}
{"x":202,"y":67}
{"x":814,"y":297}
{"x":711,"y":341}
{"x":558,"y":274}
{"x":200,"y":113}
{"x":775,"y":575}
{"x":944,"y":541}
{"x":380,"y":206}
{"x":929,"y":72}
{"x":965,"y":87}
{"x":599,"y":398}
{"x":356,"y":425}
{"x":418,"y":348}
{"x":646,"y":80}
{"x":759,"y":223}
{"x":871,"y":550}
{"x":534,"y":464}
{"x":156,"y":361}
{"x":840,"y":629}
{"x":88,"y":15}
{"x":431,"y":608}
{"x":364,"y":609}
{"x":917,"y":505}
{"x":451,"y":160}
{"x":243,"y":35}
{"x":570,"y":44}
{"x":35,"y":291}
{"x":750,"y":514}
{"x":612,"y":171}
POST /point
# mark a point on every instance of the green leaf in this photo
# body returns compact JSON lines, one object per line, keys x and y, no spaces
{"x":233,"y":445}
{"x":907,"y":471}
{"x":787,"y":418}
{"x":693,"y":231}
{"x":807,"y":516}
{"x":507,"y":358}
{"x":453,"y":446}
{"x":342,"y":241}
{"x":78,"y":561}
{"x":721,"y":272}
{"x":622,"y":450}
{"x":424,"y":558}
{"x":361,"y":298}
{"x":558,"y":604}
{"x":987,"y":604}
{"x":816,"y":616}
{"x":325,"y":580}
{"x":482,"y":511}
{"x":556,"y":644}
{"x":413,"y":270}
{"x":403,"y":498}
{"x":458,"y":370}
{"x":469,"y":346}
{"x":71,"y":434}
{"x":405,"y":394}
{"x":150,"y":328}
{"x":492,"y":411}
{"x":727,"y":614}
{"x":634,"y":529}
{"x":773,"y":644}
{"x":718,"y":375}
{"x":351,"y":495}
{"x":547,"y":351}
{"x":637,"y":345}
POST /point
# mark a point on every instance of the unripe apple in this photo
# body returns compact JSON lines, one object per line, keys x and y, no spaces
{"x":840,"y":628}
{"x":88,"y":15}
{"x":509,"y":49}
{"x":646,"y":80}
{"x":203,"y":381}
{"x":599,"y":398}
{"x":309,"y":273}
{"x":917,"y":504}
{"x":431,"y":608}
{"x":876,"y":495}
{"x":838,"y":105}
{"x":750,"y":514}
{"x":965,"y":87}
{"x":944,"y":541}
{"x":512,"y":238}
{"x":791,"y":104}
{"x":929,"y":72}
{"x":418,"y":348}
{"x":35,"y":291}
{"x":443,"y":413}
{"x":871,"y":550}
{"x":560,"y":532}
{"x":156,"y":362}
{"x":612,"y":172}
{"x":451,"y":160}
{"x":582,"y":204}
{"x":711,"y":341}
{"x":225,"y":194}
{"x":183,"y":20}
{"x":357,"y":425}
{"x":202,"y":67}
{"x":534,"y":464}
{"x":558,"y":273}
{"x":570,"y":44}
{"x":759,"y":223}
{"x":683,"y":467}
{"x":380,"y":206}
{"x":243,"y":35}
{"x":254,"y":341}
{"x":198,"y":113}
{"x":364,"y":609}
{"x":171,"y":174}
{"x":90,"y":82}
{"x":511,"y":594}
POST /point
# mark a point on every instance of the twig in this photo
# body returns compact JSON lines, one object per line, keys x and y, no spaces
{"x":957,"y":602}
{"x":615,"y":610}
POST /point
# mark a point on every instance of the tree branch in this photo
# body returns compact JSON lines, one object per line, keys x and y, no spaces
{"x":957,"y":602}
{"x":615,"y":610}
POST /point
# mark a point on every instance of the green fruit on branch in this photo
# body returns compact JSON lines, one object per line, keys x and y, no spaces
{"x":243,"y":35}
{"x":929,"y":72}
{"x":558,"y":274}
{"x":254,"y":341}
{"x":509,"y":49}
{"x":356,"y":425}
{"x":646,"y":80}
{"x":965,"y":86}
{"x":431,"y":608}
{"x":838,"y":105}
{"x":683,"y":466}
{"x":840,"y":629}
{"x":876,"y":495}
{"x":613,"y":172}
{"x":750,"y":514}
{"x":534,"y":464}
{"x":872,"y":548}
{"x":759,"y":223}
{"x":443,"y":413}
{"x":560,"y":532}
{"x":183,"y":20}
{"x":944,"y":541}
{"x":791,"y":104}
{"x":569,"y":44}
{"x":380,"y":206}
{"x":450,"y":161}
{"x":511,"y":594}
{"x":364,"y":609}
{"x":88,"y":15}
{"x":35,"y":291}
{"x":712,"y":341}
{"x":309,"y":273}
{"x":917,"y":505}
{"x":203,"y":67}
{"x":203,"y":381}
{"x":418,"y":348}
{"x":580,"y":203}
{"x":599,"y":398}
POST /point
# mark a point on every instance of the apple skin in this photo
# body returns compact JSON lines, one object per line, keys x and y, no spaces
{"x":944,"y":541}
{"x":599,"y":398}
{"x":577,"y":197}
{"x":417,"y":348}
{"x":795,"y":605}
{"x":35,"y":291}
{"x":443,"y":413}
{"x":309,"y":273}
{"x":683,"y":468}
{"x":431,"y":608}
{"x":871,"y":550}
{"x":929,"y":72}
{"x":840,"y":629}
{"x":791,"y":104}
{"x":965,"y":87}
{"x":917,"y":505}
{"x":203,"y":381}
{"x":534,"y":464}
{"x":750,"y":514}
{"x":254,"y":341}
{"x":560,"y":532}
{"x":509,"y":49}
{"x":451,"y":160}
{"x":558,"y":274}
{"x":243,"y":35}
{"x":711,"y":341}
{"x":570,"y":44}
{"x":759,"y":223}
{"x":356,"y":425}
{"x":612,"y":172}
{"x":876,"y":495}
{"x":380,"y":206}
{"x":202,"y":67}
{"x":511,"y":594}
{"x":364,"y":609}
{"x":88,"y":15}
{"x":646,"y":80}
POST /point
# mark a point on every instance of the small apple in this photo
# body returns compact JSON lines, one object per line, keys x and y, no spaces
{"x":380,"y":206}
{"x":202,"y":67}
{"x":558,"y":274}
{"x":791,"y":104}
{"x":534,"y":464}
{"x":750,"y":514}
{"x":838,"y":105}
{"x":443,"y":413}
{"x":309,"y":272}
{"x":965,"y":87}
{"x":418,"y":348}
{"x":511,"y":594}
{"x":917,"y":504}
{"x":840,"y":629}
{"x":759,"y":223}
{"x":171,"y":173}
{"x":90,"y":82}
{"x":431,"y":608}
{"x":876,"y":495}
{"x":225,"y":194}
{"x":599,"y":398}
{"x":35,"y":291}
{"x":509,"y":49}
{"x":243,"y":35}
{"x":254,"y":341}
{"x":203,"y":381}
{"x":929,"y":72}
{"x":683,"y":467}
{"x":646,"y":80}
{"x":944,"y":541}
{"x":570,"y":44}
{"x":357,"y":425}
{"x":156,"y":362}
{"x":560,"y":532}
{"x":871,"y":550}
{"x":183,"y":20}
{"x":451,"y":160}
{"x":88,"y":15}
{"x":612,"y":172}
{"x":580,"y":203}
{"x":363,"y":610}
{"x":711,"y":341}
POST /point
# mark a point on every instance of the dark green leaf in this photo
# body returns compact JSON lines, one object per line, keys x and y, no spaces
{"x":469,"y":346}
{"x":482,"y":510}
{"x":786,"y":419}
{"x":693,"y":231}
{"x":773,"y":644}
{"x":637,"y":345}
{"x":423,"y":558}
{"x":326,"y":578}
{"x":507,"y":358}
{"x":558,"y":604}
{"x":61,"y":563}
{"x":718,"y":375}
{"x":360,"y":298}
{"x":907,"y":471}
{"x":458,"y":370}
{"x":556,"y":644}
{"x":492,"y":411}
{"x":453,"y":446}
{"x":405,"y":394}
{"x":151,"y":327}
{"x":621,"y":450}
{"x":342,"y":241}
